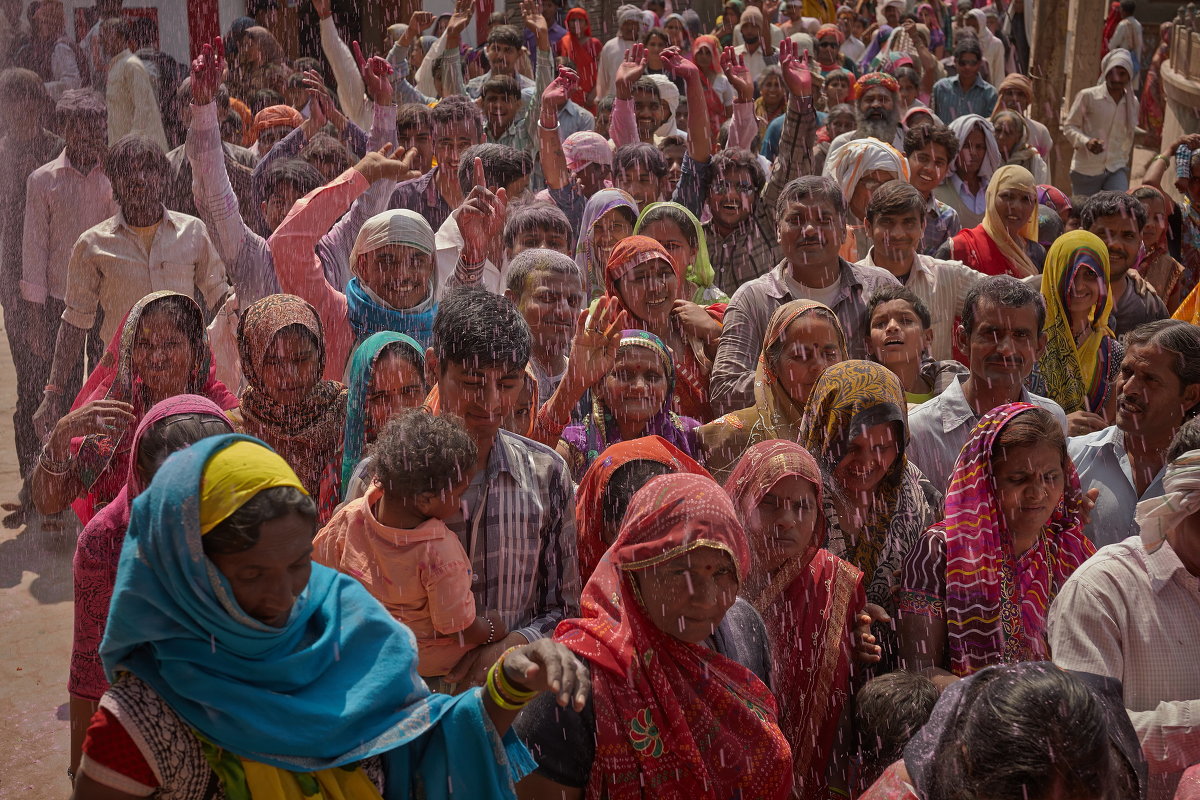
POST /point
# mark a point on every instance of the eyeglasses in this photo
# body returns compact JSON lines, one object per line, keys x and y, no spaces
{"x":832,"y":44}
{"x":724,"y":187}
{"x":962,"y":63}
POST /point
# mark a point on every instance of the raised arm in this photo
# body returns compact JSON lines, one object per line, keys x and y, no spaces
{"x":623,"y":128}
{"x":531,"y":12}
{"x":350,"y":89}
{"x":744,"y":127}
{"x":798,"y":140}
{"x":699,"y":127}
{"x":554,"y":162}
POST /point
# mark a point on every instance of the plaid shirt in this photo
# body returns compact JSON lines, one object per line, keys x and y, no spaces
{"x":941,"y":223}
{"x":524,"y":560}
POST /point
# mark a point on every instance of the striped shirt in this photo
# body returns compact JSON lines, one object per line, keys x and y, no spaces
{"x":519,"y":530}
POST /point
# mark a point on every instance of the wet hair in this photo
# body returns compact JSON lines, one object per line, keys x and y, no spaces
{"x":239,"y":532}
{"x":173,"y":433}
{"x":502,"y":165}
{"x":505,"y":34}
{"x":1178,"y":337}
{"x":889,"y":710}
{"x":671,"y":140}
{"x":640,"y":154}
{"x":325,"y":149}
{"x":1029,"y":428}
{"x":80,"y":104}
{"x":815,"y":187}
{"x":965,"y":44}
{"x":504,"y":85}
{"x":300,"y":175}
{"x":674,"y":215}
{"x":132,"y":148}
{"x":305,"y":63}
{"x":727,"y":160}
{"x":457,"y":108}
{"x":1145,"y":193}
{"x":922,"y":136}
{"x":529,"y":262}
{"x":184,"y":313}
{"x":909,"y":74}
{"x":647,"y":84}
{"x":659,"y":32}
{"x":265,"y":98}
{"x":1186,"y":439}
{"x":231,"y":125}
{"x":414,"y":115}
{"x":775,"y":71}
{"x":889,"y":292}
{"x":624,"y":484}
{"x":1006,"y":292}
{"x":474,"y":326}
{"x":1024,"y":732}
{"x":895,"y":197}
{"x":606,"y":103}
{"x":418,"y":453}
{"x":1111,"y":204}
{"x":535,"y":216}
{"x":1050,"y":225}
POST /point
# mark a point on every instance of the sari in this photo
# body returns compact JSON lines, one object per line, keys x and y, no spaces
{"x":716,"y":106}
{"x":94,"y":567}
{"x":988,"y":247}
{"x":1076,"y":371}
{"x":102,"y":460}
{"x":307,"y":431}
{"x":700,"y":273}
{"x":1153,"y":109}
{"x":589,"y":497}
{"x":994,"y":601}
{"x":672,"y":718}
{"x":586,"y":255}
{"x":848,"y":397}
{"x":1155,"y":262}
{"x":809,"y":607}
{"x":599,"y":430}
{"x":282,"y":708}
{"x":362,"y":372}
{"x":584,"y":51}
{"x":775,"y":414}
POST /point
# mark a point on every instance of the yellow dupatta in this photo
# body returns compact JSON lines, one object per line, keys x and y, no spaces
{"x":1011,"y":176}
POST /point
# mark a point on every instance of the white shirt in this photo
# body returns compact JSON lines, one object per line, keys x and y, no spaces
{"x":755,"y":61}
{"x":448,"y":245}
{"x":942,"y":287}
{"x":1094,"y":115}
{"x":1135,"y":616}
{"x":132,"y":105}
{"x":64,"y":68}
{"x":1129,"y":36}
{"x":611,"y":56}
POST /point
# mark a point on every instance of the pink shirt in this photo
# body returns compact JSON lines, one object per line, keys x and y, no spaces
{"x":421,"y":576}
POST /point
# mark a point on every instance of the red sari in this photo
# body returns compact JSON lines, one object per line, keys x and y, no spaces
{"x":978,"y":250}
{"x":672,"y":719}
{"x":584,"y":52}
{"x":809,"y":607}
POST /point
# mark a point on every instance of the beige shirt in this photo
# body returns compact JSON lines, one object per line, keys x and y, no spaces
{"x":110,"y":270}
{"x":132,"y":105}
{"x":1135,"y":616}
{"x":1094,"y":115}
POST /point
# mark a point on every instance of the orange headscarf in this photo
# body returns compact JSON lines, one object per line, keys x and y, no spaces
{"x":274,"y":117}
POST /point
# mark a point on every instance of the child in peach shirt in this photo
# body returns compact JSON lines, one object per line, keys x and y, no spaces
{"x":393,"y":541}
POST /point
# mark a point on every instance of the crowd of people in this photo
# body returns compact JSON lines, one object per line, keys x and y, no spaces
{"x":633,"y":405}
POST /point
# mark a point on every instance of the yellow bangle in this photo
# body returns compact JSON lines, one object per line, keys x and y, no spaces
{"x":506,"y":686}
{"x":495,"y":694}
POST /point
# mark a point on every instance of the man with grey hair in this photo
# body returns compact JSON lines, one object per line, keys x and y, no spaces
{"x":547,"y":288}
{"x":877,"y":112}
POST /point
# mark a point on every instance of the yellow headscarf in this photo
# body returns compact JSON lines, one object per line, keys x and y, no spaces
{"x":237,"y":473}
{"x":1011,"y":176}
{"x":1068,"y":366}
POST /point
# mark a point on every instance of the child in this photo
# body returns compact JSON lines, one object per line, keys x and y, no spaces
{"x":930,"y":150}
{"x":889,"y":710}
{"x":899,"y":335}
{"x":393,"y":540}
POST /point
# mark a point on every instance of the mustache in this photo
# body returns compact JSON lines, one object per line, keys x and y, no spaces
{"x":1124,"y":398}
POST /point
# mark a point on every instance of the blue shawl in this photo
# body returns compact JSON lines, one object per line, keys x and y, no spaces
{"x":367,"y":317}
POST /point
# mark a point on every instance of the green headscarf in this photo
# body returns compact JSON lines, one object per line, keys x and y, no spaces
{"x":700,"y":273}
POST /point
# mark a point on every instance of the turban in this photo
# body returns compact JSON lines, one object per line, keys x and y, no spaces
{"x":586,"y":147}
{"x":1015,"y":80}
{"x":872,"y":79}
{"x":628,"y":13}
{"x":850,"y":162}
{"x":396,"y":226}
{"x":274,"y":117}
{"x":830,"y":30}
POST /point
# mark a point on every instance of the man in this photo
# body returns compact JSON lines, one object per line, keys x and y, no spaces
{"x":457,"y":125}
{"x":1128,"y":35}
{"x":851,"y":26}
{"x":65,"y":198}
{"x":966,"y":92}
{"x":756,"y":52}
{"x":811,"y":216}
{"x":503,"y":48}
{"x":1002,"y":334}
{"x":1101,"y":126}
{"x":1132,"y":612}
{"x":510,"y":109}
{"x":860,"y":167}
{"x":1016,"y":94}
{"x":641,"y":170}
{"x":547,"y":288}
{"x":877,"y":105}
{"x":552,"y":11}
{"x":1157,"y":390}
{"x":930,"y":150}
{"x":1118,"y":219}
{"x":896,"y":221}
{"x":518,"y":525}
{"x":629,"y":22}
{"x":143,"y":248}
{"x":129,"y":93}
{"x":639,"y":94}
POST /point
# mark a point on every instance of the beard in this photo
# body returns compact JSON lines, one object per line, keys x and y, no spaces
{"x":880,"y":126}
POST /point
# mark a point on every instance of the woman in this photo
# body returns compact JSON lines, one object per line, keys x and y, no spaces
{"x":772,"y":97}
{"x":240,"y":666}
{"x":387,"y":375}
{"x":633,"y":400}
{"x":1081,"y":362}
{"x":917,"y":116}
{"x":856,"y":425}
{"x":965,"y":190}
{"x":829,"y":41}
{"x":286,"y":404}
{"x":1011,"y":535}
{"x":860,"y":166}
{"x":1152,"y":110}
{"x":160,"y":350}
{"x":937,"y":35}
{"x":668,"y":711}
{"x":1012,"y":137}
{"x":608,"y":218}
{"x":1006,"y":242}
{"x":677,"y":32}
{"x":583,"y":50}
{"x":718,"y":92}
{"x":1016,"y":94}
{"x":803,"y":338}
{"x":682,"y":236}
{"x":808,"y":597}
{"x":651,"y":288}
{"x":1155,"y":262}
{"x":993,"y":48}
{"x":170,"y":425}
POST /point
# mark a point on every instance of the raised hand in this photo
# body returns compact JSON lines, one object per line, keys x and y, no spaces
{"x":559,"y":91}
{"x":417,"y":24}
{"x":770,"y":10}
{"x":531,"y":14}
{"x":464,"y":10}
{"x":375,"y":72}
{"x":679,"y":66}
{"x":481,"y":217}
{"x":324,"y":8}
{"x":630,"y":71}
{"x":797,"y":68}
{"x":734,"y":67}
{"x":207,"y":70}
{"x":597,"y":337}
{"x":379,"y":165}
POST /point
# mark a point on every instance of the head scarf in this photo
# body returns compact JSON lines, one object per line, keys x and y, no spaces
{"x":695,"y":25}
{"x":577,"y":49}
{"x":1053,"y":197}
{"x":627,"y":13}
{"x":599,"y":430}
{"x":275,"y":117}
{"x":668,"y":91}
{"x":296,"y":697}
{"x":1068,"y":365}
{"x":879,"y":15}
{"x":366,"y":312}
{"x":1014,"y":80}
{"x":102,"y":460}
{"x":358,"y":385}
{"x":634,"y":250}
{"x":873,"y":79}
{"x":1050,"y":225}
{"x":985,"y":34}
{"x":649,"y":20}
{"x":307,"y":430}
{"x":779,"y":412}
{"x":586,"y":256}
{"x":962,"y":127}
{"x":842,"y":72}
{"x":877,"y":48}
{"x":1010,"y":176}
{"x":1180,"y":499}
{"x":99,"y":548}
{"x":583,"y":148}
{"x":700,"y":272}
{"x":906,"y":120}
{"x":272,"y":50}
{"x":589,"y":498}
{"x":675,"y":716}
{"x":1022,"y":152}
{"x":755,"y":15}
{"x":687,"y":34}
{"x":829,"y":29}
{"x":850,"y":162}
{"x":234,"y":475}
{"x":935,"y":13}
{"x":714,"y":47}
{"x":1121,"y":58}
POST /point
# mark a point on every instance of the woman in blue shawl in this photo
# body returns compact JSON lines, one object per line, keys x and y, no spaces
{"x":238,"y":665}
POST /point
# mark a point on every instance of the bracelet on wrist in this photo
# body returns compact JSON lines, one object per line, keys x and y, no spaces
{"x":507,"y":686}
{"x":497,"y":694}
{"x":491,"y":631}
{"x":55,"y":467}
{"x":52,"y":388}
